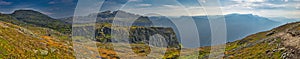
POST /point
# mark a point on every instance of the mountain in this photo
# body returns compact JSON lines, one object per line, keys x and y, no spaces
{"x":241,"y":25}
{"x":39,"y":19}
{"x":108,"y":16}
{"x":283,"y":20}
{"x":35,"y":18}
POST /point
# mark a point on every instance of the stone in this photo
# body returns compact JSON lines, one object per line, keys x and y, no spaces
{"x":44,"y":52}
{"x":270,"y":33}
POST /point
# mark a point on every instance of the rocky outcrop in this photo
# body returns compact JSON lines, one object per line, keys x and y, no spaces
{"x":142,"y":35}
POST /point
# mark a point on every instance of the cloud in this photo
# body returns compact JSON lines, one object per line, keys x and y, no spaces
{"x":280,"y":13}
{"x":113,"y":4}
{"x":269,"y":6}
{"x":144,"y":5}
{"x":298,"y":8}
{"x":67,"y":1}
{"x":61,"y":1}
{"x":262,"y":4}
{"x":5,"y":2}
{"x":171,"y":6}
{"x":266,"y":8}
{"x":249,"y":0}
{"x":255,"y":0}
{"x":47,"y":13}
{"x":133,"y":0}
{"x":51,"y":2}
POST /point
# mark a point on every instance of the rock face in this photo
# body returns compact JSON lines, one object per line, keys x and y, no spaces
{"x":143,"y":35}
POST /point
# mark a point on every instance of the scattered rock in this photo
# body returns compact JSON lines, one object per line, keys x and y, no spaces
{"x":270,"y":33}
{"x":284,"y":55}
{"x":281,"y":49}
{"x":274,"y":50}
{"x":294,"y":33}
{"x":35,"y":51}
{"x":142,"y":51}
{"x":44,"y":52}
{"x":268,"y":51}
{"x":53,"y":50}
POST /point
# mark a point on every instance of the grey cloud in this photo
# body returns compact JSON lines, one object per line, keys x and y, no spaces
{"x":5,"y":2}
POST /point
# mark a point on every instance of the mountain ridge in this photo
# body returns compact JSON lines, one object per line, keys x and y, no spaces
{"x":279,"y":42}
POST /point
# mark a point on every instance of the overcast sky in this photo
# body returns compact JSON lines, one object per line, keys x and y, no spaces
{"x":65,"y":8}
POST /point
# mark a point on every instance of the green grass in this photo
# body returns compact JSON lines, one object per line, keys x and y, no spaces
{"x":3,"y":47}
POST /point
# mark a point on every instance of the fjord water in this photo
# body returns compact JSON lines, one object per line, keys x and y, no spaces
{"x":238,"y":26}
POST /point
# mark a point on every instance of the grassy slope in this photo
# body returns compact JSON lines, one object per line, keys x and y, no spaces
{"x":31,"y":42}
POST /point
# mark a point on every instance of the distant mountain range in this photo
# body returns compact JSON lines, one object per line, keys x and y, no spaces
{"x":284,"y":20}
